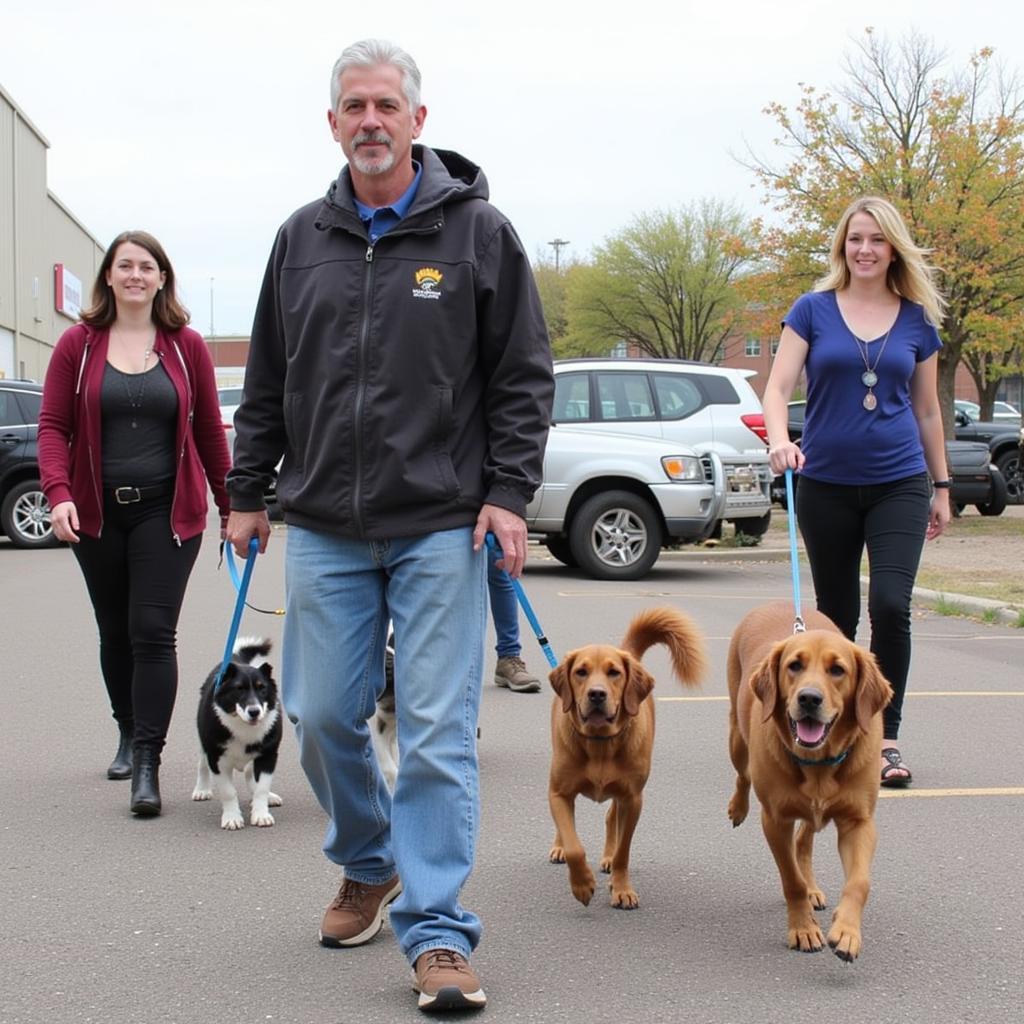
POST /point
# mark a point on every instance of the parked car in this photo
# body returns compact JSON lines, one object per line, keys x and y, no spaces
{"x":1001,"y":411}
{"x":707,"y":408}
{"x":24,"y":510}
{"x":230,"y":398}
{"x":973,"y":478}
{"x":1004,"y":444}
{"x":610,"y":502}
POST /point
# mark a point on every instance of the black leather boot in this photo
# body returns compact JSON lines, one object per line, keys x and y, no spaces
{"x":121,"y":766}
{"x":145,"y":801}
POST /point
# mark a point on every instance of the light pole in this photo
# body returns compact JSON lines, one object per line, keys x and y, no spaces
{"x":557,"y":244}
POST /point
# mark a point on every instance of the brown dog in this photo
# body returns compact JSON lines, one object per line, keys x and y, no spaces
{"x":602,"y":734}
{"x":805,"y":727}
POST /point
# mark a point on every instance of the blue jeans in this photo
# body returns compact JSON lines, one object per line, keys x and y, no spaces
{"x":504,"y":611}
{"x":340,"y":595}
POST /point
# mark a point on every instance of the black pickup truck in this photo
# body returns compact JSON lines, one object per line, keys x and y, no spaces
{"x":1004,"y":440}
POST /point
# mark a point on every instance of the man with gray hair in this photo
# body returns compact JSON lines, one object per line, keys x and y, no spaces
{"x":400,"y":365}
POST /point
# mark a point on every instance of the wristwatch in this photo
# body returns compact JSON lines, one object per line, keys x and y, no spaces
{"x":941,"y":484}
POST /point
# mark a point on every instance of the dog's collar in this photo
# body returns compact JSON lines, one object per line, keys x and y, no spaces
{"x":825,"y":762}
{"x":610,"y":736}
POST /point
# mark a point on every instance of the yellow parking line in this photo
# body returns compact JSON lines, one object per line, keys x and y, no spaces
{"x":894,"y":794}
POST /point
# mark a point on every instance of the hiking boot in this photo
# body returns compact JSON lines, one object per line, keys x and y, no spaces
{"x":445,"y":981}
{"x":357,"y":912}
{"x":511,"y":672}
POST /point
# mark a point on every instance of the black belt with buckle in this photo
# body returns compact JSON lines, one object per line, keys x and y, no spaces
{"x":131,"y":495}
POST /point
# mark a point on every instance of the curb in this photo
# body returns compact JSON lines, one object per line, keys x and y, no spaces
{"x":1003,"y":613}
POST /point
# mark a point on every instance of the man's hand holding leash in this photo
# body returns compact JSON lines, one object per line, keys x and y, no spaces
{"x":242,"y":526}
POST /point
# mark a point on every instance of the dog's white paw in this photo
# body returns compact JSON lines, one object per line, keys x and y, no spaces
{"x":274,"y":800}
{"x":261,"y":819}
{"x":202,"y":794}
{"x":232,"y":822}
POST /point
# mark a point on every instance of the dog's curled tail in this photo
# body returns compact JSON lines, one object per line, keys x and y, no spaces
{"x":251,"y":650}
{"x":677,"y":632}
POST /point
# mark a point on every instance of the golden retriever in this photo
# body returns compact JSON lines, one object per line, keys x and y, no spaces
{"x":602,"y":734}
{"x":805,"y":727}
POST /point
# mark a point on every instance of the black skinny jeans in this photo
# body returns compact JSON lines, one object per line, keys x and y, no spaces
{"x":136,"y":576}
{"x":837,"y":521}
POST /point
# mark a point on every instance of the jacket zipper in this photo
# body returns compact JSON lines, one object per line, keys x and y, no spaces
{"x":184,"y":440}
{"x":357,"y":432}
{"x":85,"y":432}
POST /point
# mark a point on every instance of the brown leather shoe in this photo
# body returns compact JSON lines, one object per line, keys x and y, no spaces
{"x":445,"y":981}
{"x":357,"y":912}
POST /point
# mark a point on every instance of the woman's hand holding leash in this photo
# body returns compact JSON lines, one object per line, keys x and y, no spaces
{"x":243,"y":526}
{"x":785,"y":456}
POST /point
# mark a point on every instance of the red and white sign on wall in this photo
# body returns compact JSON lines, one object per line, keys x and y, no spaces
{"x":67,"y":292}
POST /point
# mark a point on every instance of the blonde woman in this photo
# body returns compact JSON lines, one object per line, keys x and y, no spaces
{"x":872,"y":460}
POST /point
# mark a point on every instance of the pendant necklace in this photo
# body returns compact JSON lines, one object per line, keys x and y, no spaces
{"x":869,"y":378}
{"x":135,"y":398}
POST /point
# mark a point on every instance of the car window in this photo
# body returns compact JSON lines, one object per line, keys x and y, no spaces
{"x":572,"y":397}
{"x":230,"y":396}
{"x":625,"y":396}
{"x":10,"y":414}
{"x":30,"y":404}
{"x":678,"y":396}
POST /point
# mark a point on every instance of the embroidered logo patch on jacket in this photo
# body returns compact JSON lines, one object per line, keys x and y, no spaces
{"x":428,"y":283}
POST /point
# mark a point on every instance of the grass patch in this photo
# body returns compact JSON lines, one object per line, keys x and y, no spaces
{"x":943,"y":606}
{"x":1006,"y":585}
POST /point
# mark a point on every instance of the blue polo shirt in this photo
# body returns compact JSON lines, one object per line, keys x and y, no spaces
{"x":380,"y":220}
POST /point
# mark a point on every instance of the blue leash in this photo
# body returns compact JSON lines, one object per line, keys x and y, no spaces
{"x":524,"y":603}
{"x":243,"y":589}
{"x":794,"y":562}
{"x":228,"y":554}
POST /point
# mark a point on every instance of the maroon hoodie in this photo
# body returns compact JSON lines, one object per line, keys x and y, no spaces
{"x":70,"y":428}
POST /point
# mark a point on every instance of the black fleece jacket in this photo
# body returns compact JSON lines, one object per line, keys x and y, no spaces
{"x":405,"y":383}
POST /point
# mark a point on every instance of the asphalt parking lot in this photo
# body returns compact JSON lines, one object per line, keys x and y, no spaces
{"x":110,"y":919}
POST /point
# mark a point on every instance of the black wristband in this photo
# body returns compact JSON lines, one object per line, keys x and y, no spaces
{"x":941,"y":484}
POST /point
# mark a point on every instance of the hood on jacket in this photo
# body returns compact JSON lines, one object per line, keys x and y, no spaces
{"x":447,"y":177}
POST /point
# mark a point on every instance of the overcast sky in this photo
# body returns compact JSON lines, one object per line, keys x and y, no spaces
{"x":205,"y":122}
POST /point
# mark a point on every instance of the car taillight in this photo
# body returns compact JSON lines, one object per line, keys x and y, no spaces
{"x":755,"y":421}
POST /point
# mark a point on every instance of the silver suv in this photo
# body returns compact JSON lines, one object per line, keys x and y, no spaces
{"x":708,"y":408}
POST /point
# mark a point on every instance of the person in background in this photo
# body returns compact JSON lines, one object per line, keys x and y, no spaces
{"x":867,"y":341}
{"x":400,"y":364}
{"x":129,"y":435}
{"x":510,"y":671}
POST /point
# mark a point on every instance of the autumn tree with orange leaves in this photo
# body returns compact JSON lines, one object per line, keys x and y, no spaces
{"x":948,"y":151}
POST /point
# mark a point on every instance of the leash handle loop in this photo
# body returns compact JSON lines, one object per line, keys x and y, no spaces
{"x":794,"y":560}
{"x":524,"y":603}
{"x":243,"y":589}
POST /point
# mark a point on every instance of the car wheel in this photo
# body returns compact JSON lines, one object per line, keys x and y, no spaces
{"x":997,"y":502}
{"x":754,"y":527}
{"x":25,"y":516}
{"x":561,"y":549}
{"x":616,"y":536}
{"x":1009,"y":465}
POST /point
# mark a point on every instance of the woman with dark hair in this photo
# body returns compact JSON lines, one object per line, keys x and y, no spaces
{"x":873,"y":459}
{"x":129,"y":434}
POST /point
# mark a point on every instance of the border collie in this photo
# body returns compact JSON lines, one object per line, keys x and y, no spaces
{"x":383,"y":724}
{"x":240,"y":730}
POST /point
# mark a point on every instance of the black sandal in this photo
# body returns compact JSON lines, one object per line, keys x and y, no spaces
{"x":892,"y":773}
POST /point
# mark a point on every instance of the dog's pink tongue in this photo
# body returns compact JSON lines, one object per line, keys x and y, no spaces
{"x":809,"y":731}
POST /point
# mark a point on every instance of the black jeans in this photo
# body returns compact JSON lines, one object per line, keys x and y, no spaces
{"x":136,"y":576}
{"x":837,"y":521}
